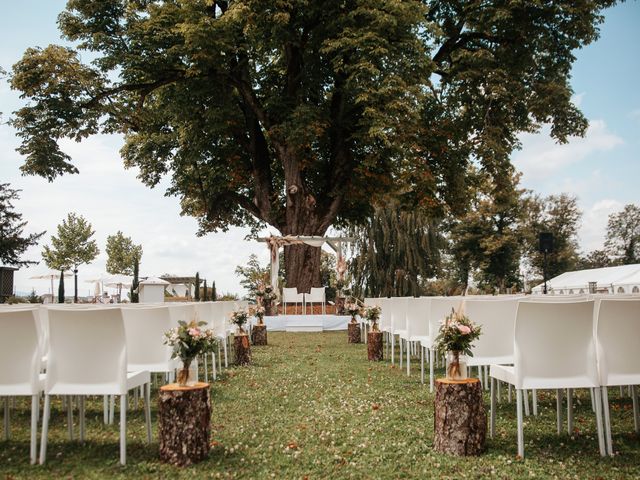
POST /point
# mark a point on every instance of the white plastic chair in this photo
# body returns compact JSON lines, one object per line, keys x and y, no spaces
{"x":316,"y":295}
{"x":554,"y":348}
{"x":88,"y":356}
{"x":20,"y":360}
{"x":291,"y":295}
{"x":418,"y":328}
{"x":617,"y":335}
{"x":398,"y":311}
{"x":205,"y":312}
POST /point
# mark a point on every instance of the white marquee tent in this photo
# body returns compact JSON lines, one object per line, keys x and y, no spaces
{"x":622,"y":279}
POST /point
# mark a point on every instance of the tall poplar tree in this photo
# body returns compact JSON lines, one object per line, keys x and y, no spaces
{"x":304,"y":114}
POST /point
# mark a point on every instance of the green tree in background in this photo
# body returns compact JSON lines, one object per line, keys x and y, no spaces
{"x":135,"y":294}
{"x":560,"y":215}
{"x":122,"y":254}
{"x":304,"y":114}
{"x":623,"y":235}
{"x":196,"y":292}
{"x":72,"y":247}
{"x":394,"y":252}
{"x":595,"y":259}
{"x":214,"y":294}
{"x":13,"y":241}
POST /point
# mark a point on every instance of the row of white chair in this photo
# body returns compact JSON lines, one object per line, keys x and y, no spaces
{"x":315,"y":295}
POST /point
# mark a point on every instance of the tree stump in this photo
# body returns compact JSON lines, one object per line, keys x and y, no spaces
{"x":184,"y":423}
{"x":460,"y":422}
{"x":259,"y":335}
{"x":374,"y":346}
{"x":354,"y":332}
{"x":242,"y":349}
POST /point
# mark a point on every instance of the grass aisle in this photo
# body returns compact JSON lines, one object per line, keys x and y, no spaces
{"x":312,"y":407}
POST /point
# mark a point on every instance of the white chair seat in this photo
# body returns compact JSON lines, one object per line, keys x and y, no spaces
{"x":401,"y":333}
{"x":504,"y":373}
{"x":153,"y":367}
{"x":21,"y":389}
{"x":498,"y":360}
{"x":134,"y":379}
{"x":425,"y":340}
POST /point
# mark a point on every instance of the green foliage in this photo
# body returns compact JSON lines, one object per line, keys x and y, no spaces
{"x":72,"y":246}
{"x":304,"y":114}
{"x":253,"y":275}
{"x":197,"y":288}
{"x":395,"y":251}
{"x":190,"y":339}
{"x":34,"y":297}
{"x":214,"y":294}
{"x":13,"y":243}
{"x":205,"y":293}
{"x":595,"y":259}
{"x":122,"y":254}
{"x":623,"y":235}
{"x":135,"y":294}
{"x":61,"y":287}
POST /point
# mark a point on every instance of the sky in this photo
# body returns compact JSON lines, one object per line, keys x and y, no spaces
{"x":601,"y":169}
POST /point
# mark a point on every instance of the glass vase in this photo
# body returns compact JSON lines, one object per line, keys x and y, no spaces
{"x":456,"y":366}
{"x":188,"y":373}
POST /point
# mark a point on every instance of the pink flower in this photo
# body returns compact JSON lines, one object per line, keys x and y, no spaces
{"x":194,"y":332}
{"x":464,"y":330}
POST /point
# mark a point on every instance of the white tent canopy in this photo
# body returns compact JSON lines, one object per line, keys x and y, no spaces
{"x":620,"y":279}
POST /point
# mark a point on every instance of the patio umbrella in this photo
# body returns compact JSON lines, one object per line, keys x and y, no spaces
{"x":52,"y":275}
{"x":118,"y":281}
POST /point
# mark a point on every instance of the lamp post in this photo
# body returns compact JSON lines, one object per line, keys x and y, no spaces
{"x":75,"y":285}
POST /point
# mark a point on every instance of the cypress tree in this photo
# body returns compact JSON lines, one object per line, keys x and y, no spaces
{"x":61,"y":288}
{"x":197,"y":292}
{"x":204,"y":292}
{"x":134,"y":285}
{"x":214,"y":294}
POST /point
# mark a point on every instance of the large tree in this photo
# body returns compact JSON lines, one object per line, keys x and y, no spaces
{"x":13,"y":241}
{"x":303,"y":114}
{"x":122,"y":254}
{"x":623,"y":235}
{"x":72,"y":247}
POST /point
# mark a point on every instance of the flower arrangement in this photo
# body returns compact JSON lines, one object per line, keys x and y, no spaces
{"x":265,"y":293}
{"x":371,"y":313}
{"x":456,"y":335}
{"x":239,"y":318}
{"x":258,"y":312}
{"x":352,"y":309}
{"x":189,"y":340}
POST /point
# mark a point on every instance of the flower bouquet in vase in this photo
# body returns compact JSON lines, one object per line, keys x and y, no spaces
{"x":241,"y":340}
{"x":266,"y":297}
{"x":239,"y":318}
{"x":455,"y":339}
{"x":352,"y":308}
{"x":189,"y":340}
{"x":258,"y":312}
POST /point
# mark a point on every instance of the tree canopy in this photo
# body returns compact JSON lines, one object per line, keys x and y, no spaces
{"x":623,"y":235}
{"x":304,"y":114}
{"x":13,"y":242}
{"x":122,"y":254}
{"x":73,"y":245}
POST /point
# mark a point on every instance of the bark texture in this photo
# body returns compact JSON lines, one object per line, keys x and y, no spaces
{"x":242,"y":349}
{"x":184,"y":423}
{"x":302,"y":267}
{"x":259,"y":335}
{"x":460,"y":422}
{"x":374,"y":346}
{"x":354,"y":332}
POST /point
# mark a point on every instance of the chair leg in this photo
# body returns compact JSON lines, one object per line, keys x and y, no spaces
{"x":559,"y":394}
{"x":432,"y":374}
{"x":219,"y":357}
{"x":393,"y":344}
{"x":400,"y":342}
{"x":147,"y":409}
{"x":105,"y":409}
{"x":226,"y":358}
{"x":206,"y":369}
{"x":534,"y":401}
{"x":45,"y":429}
{"x":593,"y":400}
{"x":525,"y":396}
{"x":213,"y":366}
{"x":422,"y":364}
{"x":123,"y":429}
{"x":569,"y":410}
{"x":492,"y":421}
{"x":70,"y":416}
{"x":602,"y":410}
{"x":499,"y":393}
{"x":81,"y":412}
{"x":519,"y":399}
{"x":636,"y":413}
{"x":112,"y":409}
{"x":408,"y":358}
{"x":35,"y":405}
{"x":7,"y":421}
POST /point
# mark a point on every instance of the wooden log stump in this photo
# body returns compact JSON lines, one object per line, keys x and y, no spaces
{"x":374,"y":346}
{"x":259,"y":335}
{"x":353,"y":332}
{"x":242,"y":349}
{"x":184,"y":423}
{"x":460,"y":422}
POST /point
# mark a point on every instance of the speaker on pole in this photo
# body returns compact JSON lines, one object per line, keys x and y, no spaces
{"x":546,"y":242}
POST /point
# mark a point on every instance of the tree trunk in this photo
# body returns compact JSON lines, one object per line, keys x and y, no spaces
{"x":302,"y":267}
{"x":460,"y":420}
{"x":184,"y":423}
{"x":60,"y":288}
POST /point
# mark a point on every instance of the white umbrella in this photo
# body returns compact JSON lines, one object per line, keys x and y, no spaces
{"x":52,"y":275}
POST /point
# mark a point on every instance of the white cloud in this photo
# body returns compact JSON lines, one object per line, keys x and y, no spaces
{"x":541,"y":156}
{"x":594,"y":223}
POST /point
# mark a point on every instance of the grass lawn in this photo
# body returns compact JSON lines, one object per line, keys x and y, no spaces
{"x":312,"y":407}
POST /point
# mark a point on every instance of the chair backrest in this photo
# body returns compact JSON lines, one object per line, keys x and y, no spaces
{"x":399,"y":313}
{"x":144,"y":329}
{"x":290,"y":295}
{"x":418,"y":316}
{"x":497,"y":318}
{"x":87,"y":347}
{"x":554,"y":345}
{"x":385,"y":313}
{"x":617,"y":337}
{"x":317,"y":294}
{"x":20,"y":355}
{"x":219,"y":322}
{"x":182,"y":311}
{"x":439,"y":309}
{"x":372,"y":302}
{"x":555,"y":298}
